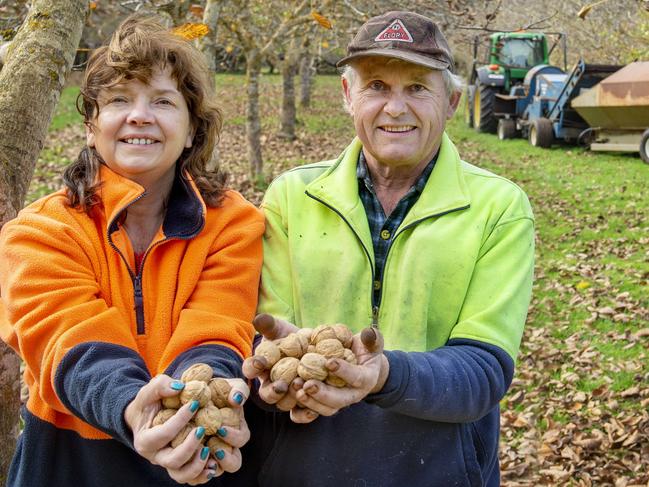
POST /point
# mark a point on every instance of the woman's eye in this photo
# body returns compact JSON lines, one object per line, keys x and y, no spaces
{"x":164,"y":101}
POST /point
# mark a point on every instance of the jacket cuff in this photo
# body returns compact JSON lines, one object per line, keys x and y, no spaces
{"x":97,"y":380}
{"x":396,"y":383}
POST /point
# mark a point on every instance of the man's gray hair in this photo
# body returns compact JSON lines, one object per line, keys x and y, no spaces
{"x":453,"y":82}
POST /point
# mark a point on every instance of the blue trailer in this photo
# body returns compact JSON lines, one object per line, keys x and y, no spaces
{"x":540,"y":109}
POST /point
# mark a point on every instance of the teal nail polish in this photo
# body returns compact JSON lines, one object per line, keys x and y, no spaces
{"x":210,"y":476}
{"x":177,"y":385}
{"x":194,"y":406}
{"x":220,"y":454}
{"x":238,"y":398}
{"x":222,"y":432}
{"x":200,"y":432}
{"x":205,"y":453}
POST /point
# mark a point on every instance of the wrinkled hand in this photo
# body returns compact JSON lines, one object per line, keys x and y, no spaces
{"x":367,"y":377}
{"x":279,"y":393}
{"x":189,"y":462}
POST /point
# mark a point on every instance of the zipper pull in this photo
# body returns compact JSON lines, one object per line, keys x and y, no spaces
{"x":139,"y":304}
{"x":375,"y":316}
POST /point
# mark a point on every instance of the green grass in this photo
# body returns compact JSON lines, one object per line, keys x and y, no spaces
{"x":66,"y":112}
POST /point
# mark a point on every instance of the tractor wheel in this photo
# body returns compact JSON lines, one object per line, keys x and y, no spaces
{"x":506,"y":129}
{"x":468,"y":105}
{"x":541,"y":134}
{"x":644,"y":146}
{"x":483,"y":109}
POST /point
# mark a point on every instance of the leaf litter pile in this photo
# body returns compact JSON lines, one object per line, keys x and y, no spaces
{"x":577,"y":410}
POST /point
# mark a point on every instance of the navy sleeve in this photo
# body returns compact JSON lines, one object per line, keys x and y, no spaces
{"x":97,"y":380}
{"x":457,"y":383}
{"x":224,"y":361}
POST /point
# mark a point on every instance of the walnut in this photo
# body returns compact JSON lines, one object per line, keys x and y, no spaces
{"x":196,"y":390}
{"x":293,"y":345}
{"x":306,"y":333}
{"x":310,"y":349}
{"x":269,"y":351}
{"x":343,"y":334}
{"x":312,"y":366}
{"x":180,"y":437}
{"x":162,"y":416}
{"x":349,"y":356}
{"x":334,"y":380}
{"x":215,"y":443}
{"x":172,"y":402}
{"x":209,"y":418}
{"x":285,"y":369}
{"x":202,"y":372}
{"x":220,"y":392}
{"x":230,"y":417}
{"x":322,"y":332}
{"x":330,"y":348}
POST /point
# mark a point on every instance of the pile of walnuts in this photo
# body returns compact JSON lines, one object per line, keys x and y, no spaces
{"x":214,"y":409}
{"x":305,"y":353}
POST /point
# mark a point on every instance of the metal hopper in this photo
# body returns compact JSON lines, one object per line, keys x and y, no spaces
{"x":617,"y":109}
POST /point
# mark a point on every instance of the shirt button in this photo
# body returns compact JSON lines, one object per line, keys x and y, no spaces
{"x":377,"y":285}
{"x":385,"y":234}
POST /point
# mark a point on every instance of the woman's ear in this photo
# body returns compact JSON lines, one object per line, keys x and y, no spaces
{"x":90,"y":135}
{"x":190,"y":136}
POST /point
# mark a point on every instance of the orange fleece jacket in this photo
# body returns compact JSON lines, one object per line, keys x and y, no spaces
{"x":64,"y":280}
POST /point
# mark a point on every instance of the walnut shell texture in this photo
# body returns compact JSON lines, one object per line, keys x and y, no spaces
{"x":270,"y":352}
{"x":312,"y":366}
{"x":330,"y":348}
{"x":209,"y":418}
{"x":322,"y":332}
{"x":220,"y":389}
{"x":172,"y":402}
{"x":285,"y":369}
{"x":293,"y":345}
{"x":163,"y":416}
{"x":230,"y":417}
{"x":196,"y":390}
{"x":343,"y":334}
{"x":202,"y":372}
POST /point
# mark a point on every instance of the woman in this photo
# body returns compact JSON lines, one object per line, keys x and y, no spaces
{"x":142,"y":266}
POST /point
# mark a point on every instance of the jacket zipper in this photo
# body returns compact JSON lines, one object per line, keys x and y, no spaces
{"x":375,"y":309}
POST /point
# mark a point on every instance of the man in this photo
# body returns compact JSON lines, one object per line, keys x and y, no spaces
{"x":401,"y":234}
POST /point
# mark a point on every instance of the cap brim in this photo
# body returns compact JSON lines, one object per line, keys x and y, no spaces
{"x":410,"y":57}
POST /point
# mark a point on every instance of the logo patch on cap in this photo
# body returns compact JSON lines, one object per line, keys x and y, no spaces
{"x":396,"y":31}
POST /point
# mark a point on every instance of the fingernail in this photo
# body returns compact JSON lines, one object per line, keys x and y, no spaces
{"x":222,"y":432}
{"x":220,"y":454}
{"x":211,"y":466}
{"x":312,"y":390}
{"x":205,"y":452}
{"x":258,"y":364}
{"x":177,"y":385}
{"x":194,"y":406}
{"x":238,"y":398}
{"x":200,"y":432}
{"x":333,"y":365}
{"x":311,"y":414}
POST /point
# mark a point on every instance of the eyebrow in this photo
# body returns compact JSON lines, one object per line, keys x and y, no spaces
{"x":120,"y":88}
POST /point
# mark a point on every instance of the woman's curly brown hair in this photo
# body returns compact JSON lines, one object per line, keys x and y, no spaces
{"x":138,"y":48}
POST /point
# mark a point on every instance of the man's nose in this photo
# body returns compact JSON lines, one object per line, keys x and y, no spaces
{"x":140,"y":113}
{"x":396,"y":104}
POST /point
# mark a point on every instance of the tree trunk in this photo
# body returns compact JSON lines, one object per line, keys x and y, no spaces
{"x":207,"y":44}
{"x":253,"y":120}
{"x":31,"y":81}
{"x":307,"y":72}
{"x":288,"y":114}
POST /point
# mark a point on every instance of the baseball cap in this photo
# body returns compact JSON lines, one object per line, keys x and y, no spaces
{"x":402,"y":35}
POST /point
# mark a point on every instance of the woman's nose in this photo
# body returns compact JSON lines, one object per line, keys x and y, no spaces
{"x":140,"y":113}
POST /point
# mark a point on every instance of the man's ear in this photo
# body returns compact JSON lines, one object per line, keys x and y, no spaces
{"x":453,"y":103}
{"x":348,"y":96}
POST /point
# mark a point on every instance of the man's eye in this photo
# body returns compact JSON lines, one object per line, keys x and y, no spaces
{"x":376,"y":85}
{"x":417,"y":88}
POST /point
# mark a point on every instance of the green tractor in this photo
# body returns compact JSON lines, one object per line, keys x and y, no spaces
{"x":507,"y":59}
